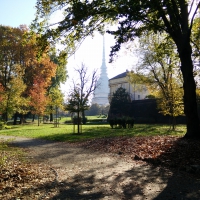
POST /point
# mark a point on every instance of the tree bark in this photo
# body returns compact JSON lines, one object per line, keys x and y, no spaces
{"x":33,"y":118}
{"x":15,"y":119}
{"x":51,"y":114}
{"x":189,"y":87}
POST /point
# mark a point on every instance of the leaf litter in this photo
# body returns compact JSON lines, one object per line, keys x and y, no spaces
{"x":31,"y":180}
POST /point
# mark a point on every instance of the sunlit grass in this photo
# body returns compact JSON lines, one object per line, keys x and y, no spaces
{"x":67,"y":133}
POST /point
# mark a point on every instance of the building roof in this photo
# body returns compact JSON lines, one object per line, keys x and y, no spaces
{"x":122,"y":75}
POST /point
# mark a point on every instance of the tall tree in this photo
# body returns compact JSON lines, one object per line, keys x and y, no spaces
{"x":38,"y":98}
{"x":54,"y":92}
{"x":13,"y":100}
{"x":82,"y":89}
{"x":11,"y":71}
{"x":37,"y":72}
{"x":159,"y":70}
{"x":56,"y":101}
{"x":19,"y":67}
{"x":175,"y":17}
{"x":119,"y":103}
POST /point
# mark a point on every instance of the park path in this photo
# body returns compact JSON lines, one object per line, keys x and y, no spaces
{"x":85,"y":174}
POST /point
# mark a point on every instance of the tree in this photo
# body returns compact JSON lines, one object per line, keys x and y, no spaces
{"x":19,"y":68}
{"x":175,"y":17}
{"x":38,"y":98}
{"x":119,"y":102}
{"x":159,"y":70}
{"x":55,"y":94}
{"x":12,"y":72}
{"x":171,"y":103}
{"x":12,"y":99}
{"x":56,"y":100}
{"x":79,"y":96}
{"x":38,"y":71}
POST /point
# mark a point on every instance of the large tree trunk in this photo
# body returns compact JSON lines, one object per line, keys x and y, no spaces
{"x":189,"y":86}
{"x":51,"y":114}
{"x":51,"y":117}
{"x":15,"y":119}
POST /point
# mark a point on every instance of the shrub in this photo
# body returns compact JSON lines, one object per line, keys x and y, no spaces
{"x":76,"y":120}
{"x":2,"y":125}
{"x":121,"y":122}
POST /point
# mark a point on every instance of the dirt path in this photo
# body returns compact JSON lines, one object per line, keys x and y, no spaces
{"x":84,"y":174}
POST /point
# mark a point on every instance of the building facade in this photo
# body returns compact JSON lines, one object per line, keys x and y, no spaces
{"x":136,"y":92}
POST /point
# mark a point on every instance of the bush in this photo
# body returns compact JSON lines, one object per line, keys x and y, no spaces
{"x":76,"y":120}
{"x":2,"y":125}
{"x":121,"y":122}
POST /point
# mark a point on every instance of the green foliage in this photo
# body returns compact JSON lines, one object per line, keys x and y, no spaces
{"x":19,"y":70}
{"x":119,"y":102}
{"x":159,"y":71}
{"x":134,"y":18}
{"x":82,"y":18}
{"x":75,"y":103}
{"x":121,"y":122}
{"x":56,"y":99}
{"x":61,"y":72}
{"x":2,"y":125}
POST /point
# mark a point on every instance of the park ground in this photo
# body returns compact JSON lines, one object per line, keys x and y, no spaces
{"x":143,"y":167}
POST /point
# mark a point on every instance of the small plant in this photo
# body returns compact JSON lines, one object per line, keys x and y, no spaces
{"x":2,"y":125}
{"x":76,"y":120}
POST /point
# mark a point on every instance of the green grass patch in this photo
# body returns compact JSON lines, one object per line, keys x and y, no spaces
{"x":66,"y":133}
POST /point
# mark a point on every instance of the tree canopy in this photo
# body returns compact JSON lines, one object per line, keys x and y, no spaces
{"x":159,"y":70}
{"x":133,"y":18}
{"x":21,"y":73}
{"x":119,"y":103}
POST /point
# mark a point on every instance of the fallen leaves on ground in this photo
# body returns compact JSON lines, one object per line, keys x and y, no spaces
{"x":168,"y":151}
{"x":30,"y":180}
{"x":20,"y":179}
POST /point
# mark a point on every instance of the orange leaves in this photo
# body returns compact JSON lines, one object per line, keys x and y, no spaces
{"x":43,"y":69}
{"x":18,"y":179}
{"x":169,"y":151}
{"x":20,"y":68}
{"x":38,"y":97}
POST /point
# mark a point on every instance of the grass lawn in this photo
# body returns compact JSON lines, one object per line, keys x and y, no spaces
{"x":65,"y":132}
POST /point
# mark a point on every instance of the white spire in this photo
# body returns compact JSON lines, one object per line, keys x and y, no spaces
{"x":101,"y":93}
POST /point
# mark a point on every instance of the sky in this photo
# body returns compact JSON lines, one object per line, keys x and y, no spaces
{"x":16,"y":12}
